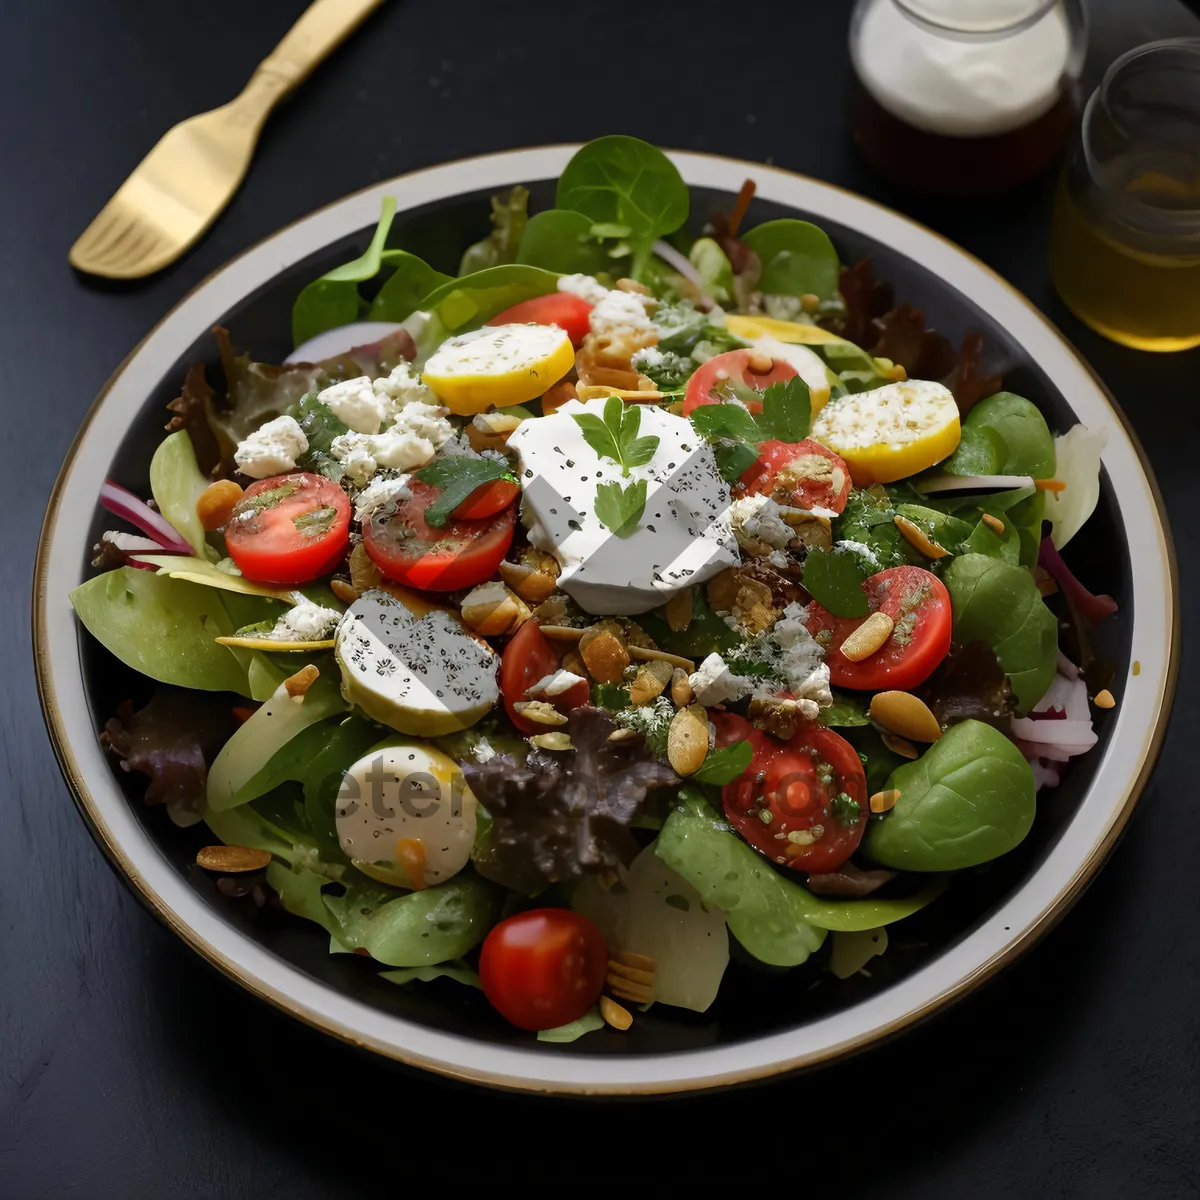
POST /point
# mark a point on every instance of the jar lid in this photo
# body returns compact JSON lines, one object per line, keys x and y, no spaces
{"x":978,"y":17}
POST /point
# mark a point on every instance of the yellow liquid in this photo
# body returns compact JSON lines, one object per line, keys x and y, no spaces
{"x":1147,"y":301}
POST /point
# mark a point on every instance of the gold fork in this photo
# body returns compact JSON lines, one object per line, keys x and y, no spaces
{"x":179,"y":188}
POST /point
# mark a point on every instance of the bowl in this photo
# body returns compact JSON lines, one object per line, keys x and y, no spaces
{"x":765,"y":1022}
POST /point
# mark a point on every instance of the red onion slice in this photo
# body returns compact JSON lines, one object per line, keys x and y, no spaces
{"x":683,"y":265}
{"x":333,"y":343}
{"x":124,"y":504}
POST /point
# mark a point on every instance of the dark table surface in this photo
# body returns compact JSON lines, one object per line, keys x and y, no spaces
{"x":127,"y":1067}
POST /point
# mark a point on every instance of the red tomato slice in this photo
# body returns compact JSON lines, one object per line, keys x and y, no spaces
{"x":569,"y":312}
{"x":487,"y":500}
{"x":543,"y":968}
{"x":528,"y":657}
{"x":918,"y":603}
{"x":729,"y":372}
{"x":289,"y":529}
{"x":812,"y":474}
{"x":460,"y":554}
{"x":797,"y":787}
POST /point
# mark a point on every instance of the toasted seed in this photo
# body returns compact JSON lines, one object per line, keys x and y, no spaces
{"x":650,"y":682}
{"x":869,"y":638}
{"x":780,"y":716}
{"x":898,"y":745}
{"x":345,"y":591}
{"x":916,"y":537}
{"x":539,"y":712}
{"x":681,"y":688}
{"x":604,"y":655}
{"x":624,"y":284}
{"x":615,"y":1014}
{"x":534,"y":578}
{"x":679,"y":610}
{"x":364,"y":574}
{"x":1104,"y":699}
{"x":562,"y":633}
{"x":492,"y":609}
{"x":905,"y":715}
{"x":646,"y":654}
{"x":810,"y":302}
{"x":496,"y":422}
{"x":573,"y":663}
{"x":216,"y":503}
{"x":303,"y":679}
{"x":552,"y":741}
{"x":231,"y":860}
{"x":806,"y":837}
{"x":623,"y":734}
{"x":994,"y":524}
{"x":883,"y":801}
{"x":687,"y":739}
{"x":759,"y":361}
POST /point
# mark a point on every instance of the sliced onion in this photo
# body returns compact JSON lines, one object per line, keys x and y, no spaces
{"x":1094,"y":608}
{"x":1067,"y":667}
{"x":684,"y":266}
{"x":1044,"y":775}
{"x":1067,"y":695}
{"x":1073,"y":736}
{"x":123,"y":503}
{"x":963,"y":483}
{"x":335,"y":342}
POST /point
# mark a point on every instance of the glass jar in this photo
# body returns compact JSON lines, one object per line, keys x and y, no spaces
{"x":965,"y":97}
{"x":1126,"y":246}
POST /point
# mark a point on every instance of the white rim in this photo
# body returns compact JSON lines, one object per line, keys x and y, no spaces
{"x":533,"y":1068}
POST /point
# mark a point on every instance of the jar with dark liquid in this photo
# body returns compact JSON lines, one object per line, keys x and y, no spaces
{"x":965,"y":97}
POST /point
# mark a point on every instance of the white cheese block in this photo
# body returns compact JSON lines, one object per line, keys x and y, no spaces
{"x":406,"y":790}
{"x":423,"y":675}
{"x":683,"y":538}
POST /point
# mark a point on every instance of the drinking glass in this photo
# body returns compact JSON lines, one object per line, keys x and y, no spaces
{"x":1126,"y":245}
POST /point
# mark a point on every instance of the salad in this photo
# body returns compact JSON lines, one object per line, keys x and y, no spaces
{"x":543,"y":627}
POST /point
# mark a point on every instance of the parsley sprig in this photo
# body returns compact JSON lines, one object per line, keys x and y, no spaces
{"x":616,"y":435}
{"x":786,"y":417}
{"x":458,"y":475}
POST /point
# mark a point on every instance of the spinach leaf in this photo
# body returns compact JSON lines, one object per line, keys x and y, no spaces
{"x":877,"y":760}
{"x":797,"y":258}
{"x":998,"y":603}
{"x":968,"y":799}
{"x":561,"y":240}
{"x":730,"y":421}
{"x":456,"y":970}
{"x":1023,"y":508}
{"x":177,"y":482}
{"x":458,"y":476}
{"x":622,"y":181}
{"x":787,"y":411}
{"x":834,"y":580}
{"x":846,"y":711}
{"x":409,"y":283}
{"x":246,"y":826}
{"x":472,"y":300}
{"x":1003,"y":435}
{"x":713,"y":267}
{"x":734,"y":459}
{"x":725,"y":765}
{"x":509,"y":215}
{"x":868,"y":520}
{"x":945,"y":529}
{"x":333,"y":300}
{"x":985,"y":540}
{"x":683,"y":329}
{"x":706,"y":632}
{"x":299,"y":889}
{"x":588,"y":1023}
{"x":320,"y":427}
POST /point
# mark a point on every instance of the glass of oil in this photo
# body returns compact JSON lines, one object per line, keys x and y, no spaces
{"x":1126,"y":244}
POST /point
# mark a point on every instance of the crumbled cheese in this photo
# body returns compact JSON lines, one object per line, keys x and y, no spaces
{"x":130,"y":543}
{"x":622,"y":315}
{"x":271,"y":449}
{"x":483,"y":750}
{"x":353,"y":451}
{"x":355,"y":403}
{"x":781,"y":307}
{"x":381,"y":495}
{"x":583,"y":286}
{"x":402,"y":388}
{"x":759,"y":518}
{"x":420,"y":430}
{"x":648,"y":356}
{"x":779,"y":560}
{"x":861,"y":549}
{"x":818,"y":510}
{"x":305,"y":622}
{"x":652,"y":721}
{"x":715,"y":683}
{"x":795,"y":660}
{"x":553,"y":685}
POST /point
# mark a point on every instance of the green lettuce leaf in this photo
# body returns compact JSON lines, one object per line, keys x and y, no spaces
{"x":177,"y":483}
{"x":588,"y":1023}
{"x":457,"y":970}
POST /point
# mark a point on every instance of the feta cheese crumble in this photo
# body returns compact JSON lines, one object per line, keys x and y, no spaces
{"x":760,"y":519}
{"x":621,"y":316}
{"x":271,"y":449}
{"x":715,"y":683}
{"x":381,"y":496}
{"x":553,"y":685}
{"x":355,"y":403}
{"x":305,"y":622}
{"x":584,"y":286}
{"x":794,"y":659}
{"x":419,"y":431}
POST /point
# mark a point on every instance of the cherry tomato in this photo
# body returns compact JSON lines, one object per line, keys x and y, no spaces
{"x":811,"y":782}
{"x":543,"y":968}
{"x":528,"y":657}
{"x":569,"y":312}
{"x":918,"y":603}
{"x":730,"y":371}
{"x":459,"y":554}
{"x":811,"y":474}
{"x":487,"y":500}
{"x":289,"y":529}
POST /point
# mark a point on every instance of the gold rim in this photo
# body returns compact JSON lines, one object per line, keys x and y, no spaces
{"x":1058,"y":908}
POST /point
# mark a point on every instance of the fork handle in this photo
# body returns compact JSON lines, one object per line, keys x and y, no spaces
{"x":324,"y":25}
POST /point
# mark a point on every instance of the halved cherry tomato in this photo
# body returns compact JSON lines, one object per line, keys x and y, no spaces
{"x":487,"y":500}
{"x":543,"y":968}
{"x":569,"y":312}
{"x":460,"y":554}
{"x":811,"y":474}
{"x":289,"y":529}
{"x":528,"y":657}
{"x":918,"y":603}
{"x":812,"y":782}
{"x":731,"y":372}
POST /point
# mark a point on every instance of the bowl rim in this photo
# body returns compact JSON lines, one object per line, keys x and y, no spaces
{"x":1030,"y":911}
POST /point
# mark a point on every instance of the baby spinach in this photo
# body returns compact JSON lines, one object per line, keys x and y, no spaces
{"x":968,"y":799}
{"x":725,"y":765}
{"x":411,"y":280}
{"x":998,"y":603}
{"x":472,"y":300}
{"x":509,"y":215}
{"x":706,"y":632}
{"x":797,"y":258}
{"x":626,"y":183}
{"x":983,"y":539}
{"x":177,"y":482}
{"x":561,"y":240}
{"x":333,"y":300}
{"x":456,"y":970}
{"x":846,"y":711}
{"x":834,"y":580}
{"x":1003,"y":435}
{"x":877,"y":760}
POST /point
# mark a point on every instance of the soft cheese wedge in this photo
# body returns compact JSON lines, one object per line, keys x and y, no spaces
{"x":405,"y":816}
{"x":423,"y":675}
{"x":498,"y":366}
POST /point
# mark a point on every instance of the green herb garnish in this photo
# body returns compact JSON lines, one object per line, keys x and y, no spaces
{"x":620,"y":508}
{"x":725,"y":765}
{"x":458,"y":476}
{"x":317,"y":521}
{"x":835,"y":582}
{"x":786,"y":417}
{"x":847,"y":810}
{"x":615,"y":436}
